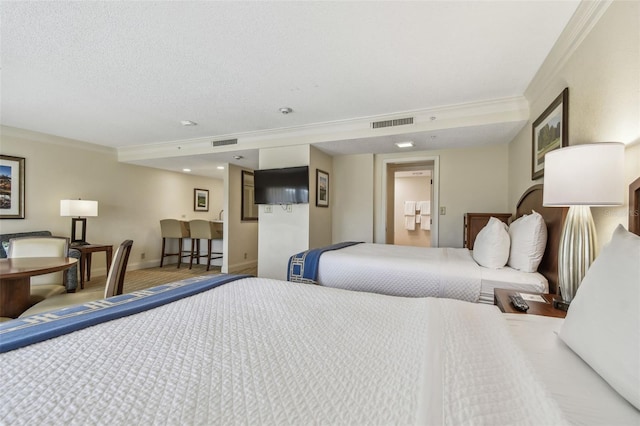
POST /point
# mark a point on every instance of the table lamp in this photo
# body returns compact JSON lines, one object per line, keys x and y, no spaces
{"x":579,"y":177}
{"x":79,"y":208}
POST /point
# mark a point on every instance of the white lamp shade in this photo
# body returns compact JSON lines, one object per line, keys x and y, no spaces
{"x":79,"y":208}
{"x":588,"y":175}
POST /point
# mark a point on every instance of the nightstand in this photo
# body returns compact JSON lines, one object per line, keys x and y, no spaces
{"x":501,"y":299}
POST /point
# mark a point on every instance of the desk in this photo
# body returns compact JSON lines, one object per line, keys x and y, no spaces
{"x":85,"y":258}
{"x":15,"y":280}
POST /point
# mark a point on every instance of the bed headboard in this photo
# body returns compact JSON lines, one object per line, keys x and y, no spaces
{"x":634,"y":207}
{"x":554,"y":218}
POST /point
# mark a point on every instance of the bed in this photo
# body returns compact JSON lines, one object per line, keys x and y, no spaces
{"x":244,"y":350}
{"x":435,"y":272}
{"x":262,"y":351}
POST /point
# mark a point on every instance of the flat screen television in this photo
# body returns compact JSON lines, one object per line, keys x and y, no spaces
{"x":288,"y":185}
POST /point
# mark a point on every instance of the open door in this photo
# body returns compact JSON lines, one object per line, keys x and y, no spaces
{"x":410,"y":181}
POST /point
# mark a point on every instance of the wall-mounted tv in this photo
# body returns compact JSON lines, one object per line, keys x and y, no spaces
{"x":288,"y":185}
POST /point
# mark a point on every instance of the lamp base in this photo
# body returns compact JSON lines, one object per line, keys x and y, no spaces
{"x":563,"y":305}
{"x":83,"y":230}
{"x":577,"y":250}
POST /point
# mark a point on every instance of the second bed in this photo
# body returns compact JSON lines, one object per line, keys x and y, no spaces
{"x":431,"y":272}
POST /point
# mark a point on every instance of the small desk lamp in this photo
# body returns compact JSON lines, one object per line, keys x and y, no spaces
{"x":78,"y":208}
{"x":581,"y":176}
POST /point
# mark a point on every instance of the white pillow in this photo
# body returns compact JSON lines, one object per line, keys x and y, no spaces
{"x":491,"y":247}
{"x":603,"y":322}
{"x":528,"y":240}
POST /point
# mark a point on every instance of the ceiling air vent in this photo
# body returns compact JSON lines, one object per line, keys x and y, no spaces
{"x":391,"y":123}
{"x":225,"y":142}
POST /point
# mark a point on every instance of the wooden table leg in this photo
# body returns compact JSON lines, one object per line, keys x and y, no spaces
{"x":83,"y":267}
{"x":88,"y":266}
{"x":14,"y":296}
{"x":109,"y":253}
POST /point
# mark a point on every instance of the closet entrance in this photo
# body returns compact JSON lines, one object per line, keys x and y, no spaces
{"x":411,"y":203}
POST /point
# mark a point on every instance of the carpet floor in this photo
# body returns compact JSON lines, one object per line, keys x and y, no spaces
{"x":140,"y":279}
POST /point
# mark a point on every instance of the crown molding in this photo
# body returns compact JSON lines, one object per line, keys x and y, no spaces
{"x":486,"y":112}
{"x":33,"y":136}
{"x":586,"y":16}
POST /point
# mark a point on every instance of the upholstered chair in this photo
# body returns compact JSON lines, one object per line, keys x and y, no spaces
{"x":204,"y":230}
{"x":177,"y":229}
{"x":48,"y":285}
{"x":71,"y":274}
{"x":113,"y":286}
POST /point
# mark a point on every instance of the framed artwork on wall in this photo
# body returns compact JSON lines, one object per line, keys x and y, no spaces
{"x":249,"y":209}
{"x":322,"y":188}
{"x":11,"y":187}
{"x":200,"y":200}
{"x":550,"y":131}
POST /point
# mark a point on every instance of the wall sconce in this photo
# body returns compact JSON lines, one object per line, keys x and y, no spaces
{"x":79,"y":208}
{"x":581,"y":176}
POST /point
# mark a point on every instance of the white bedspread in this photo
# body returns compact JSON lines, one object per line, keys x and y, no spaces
{"x":260,"y":351}
{"x":402,"y":271}
{"x":584,"y":397}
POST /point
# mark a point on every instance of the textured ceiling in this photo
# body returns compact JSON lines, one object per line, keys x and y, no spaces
{"x":123,"y":74}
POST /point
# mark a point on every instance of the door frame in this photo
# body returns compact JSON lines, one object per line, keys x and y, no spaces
{"x":435,"y":187}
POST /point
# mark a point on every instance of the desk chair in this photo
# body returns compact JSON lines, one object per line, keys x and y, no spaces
{"x":48,"y":285}
{"x":204,"y":230}
{"x":113,"y":287}
{"x":173,"y":228}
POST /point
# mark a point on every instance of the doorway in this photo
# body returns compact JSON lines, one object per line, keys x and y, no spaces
{"x":412,"y":208}
{"x":407,"y":181}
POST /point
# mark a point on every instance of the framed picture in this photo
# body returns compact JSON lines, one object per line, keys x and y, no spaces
{"x":200,"y":200}
{"x":550,"y":131}
{"x":11,"y":187}
{"x":249,"y":209}
{"x":322,"y":188}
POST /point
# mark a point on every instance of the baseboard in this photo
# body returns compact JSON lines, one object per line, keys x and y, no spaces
{"x":238,"y":267}
{"x":144,"y":264}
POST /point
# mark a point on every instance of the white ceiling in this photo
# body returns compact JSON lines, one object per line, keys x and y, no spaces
{"x":124,"y":74}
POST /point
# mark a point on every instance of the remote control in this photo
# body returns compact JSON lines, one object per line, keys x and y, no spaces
{"x":518,"y":302}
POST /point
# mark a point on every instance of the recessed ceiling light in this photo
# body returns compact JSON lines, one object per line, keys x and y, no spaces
{"x":188,"y":123}
{"x":238,"y":157}
{"x":407,"y":144}
{"x":220,"y":167}
{"x":286,"y":110}
{"x":186,"y":170}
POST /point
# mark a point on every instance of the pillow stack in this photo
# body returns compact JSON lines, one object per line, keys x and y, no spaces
{"x":520,"y":245}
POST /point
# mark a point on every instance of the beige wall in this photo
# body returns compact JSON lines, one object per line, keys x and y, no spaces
{"x":242,"y":248}
{"x":352,"y":198}
{"x":603,"y":77}
{"x":132,"y":199}
{"x":470,"y":180}
{"x":320,"y":218}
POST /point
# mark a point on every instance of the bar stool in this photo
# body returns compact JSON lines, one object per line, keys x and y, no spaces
{"x":204,"y":230}
{"x":173,"y":228}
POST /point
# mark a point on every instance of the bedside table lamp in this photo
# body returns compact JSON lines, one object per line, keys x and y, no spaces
{"x":581,"y":176}
{"x":78,"y":208}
